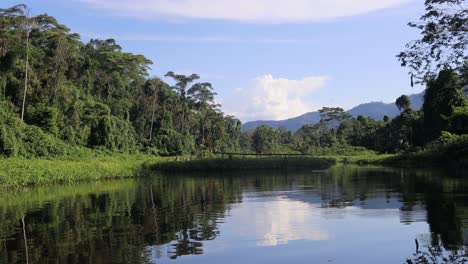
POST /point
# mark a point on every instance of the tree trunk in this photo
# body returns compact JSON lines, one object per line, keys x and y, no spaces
{"x":25,"y":241}
{"x":182,"y":120}
{"x":152,"y":118}
{"x":26,"y":76}
{"x":58,"y":61}
{"x":57,"y":82}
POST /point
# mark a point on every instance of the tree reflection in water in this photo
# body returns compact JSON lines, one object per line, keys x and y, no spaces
{"x":136,"y":221}
{"x":435,"y":254}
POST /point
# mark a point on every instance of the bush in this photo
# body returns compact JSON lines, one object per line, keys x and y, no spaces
{"x":8,"y":142}
{"x":113,"y":133}
{"x":45,"y":117}
{"x":450,"y":145}
{"x":10,"y":131}
{"x":459,"y":120}
{"x":19,"y":139}
{"x":37,"y":143}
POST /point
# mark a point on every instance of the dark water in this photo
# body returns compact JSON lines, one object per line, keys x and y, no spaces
{"x":343,"y":215}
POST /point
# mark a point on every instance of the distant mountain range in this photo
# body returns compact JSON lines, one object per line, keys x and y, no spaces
{"x":375,"y":110}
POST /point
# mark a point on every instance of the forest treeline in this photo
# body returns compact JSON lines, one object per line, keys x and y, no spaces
{"x":60,"y":95}
{"x":438,"y":60}
{"x":441,"y":125}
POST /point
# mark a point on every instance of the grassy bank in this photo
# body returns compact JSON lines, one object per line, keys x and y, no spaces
{"x":362,"y":159}
{"x":406,"y":160}
{"x":239,"y":164}
{"x":17,"y":173}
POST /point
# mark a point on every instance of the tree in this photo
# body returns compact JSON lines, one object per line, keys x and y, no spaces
{"x":202,"y":96}
{"x":264,"y":139}
{"x":329,"y":115}
{"x":246,"y":141}
{"x":361,"y":131}
{"x":307,"y":138}
{"x":28,"y":25}
{"x":442,"y":96}
{"x":403,"y":103}
{"x":458,"y":121}
{"x":155,"y":87}
{"x":10,"y":40}
{"x":181,"y":87}
{"x":96,"y":95}
{"x":402,"y":133}
{"x":444,"y":39}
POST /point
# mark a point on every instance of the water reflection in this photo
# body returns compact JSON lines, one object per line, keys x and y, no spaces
{"x":275,"y":217}
{"x":279,"y":221}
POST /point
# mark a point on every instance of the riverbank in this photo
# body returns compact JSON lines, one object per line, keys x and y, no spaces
{"x":407,"y":160}
{"x":244,"y":163}
{"x":18,"y":173}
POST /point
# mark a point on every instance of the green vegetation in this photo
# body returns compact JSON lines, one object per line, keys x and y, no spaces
{"x":59,"y":94}
{"x":15,"y":172}
{"x":433,"y":136}
{"x":69,"y":101}
{"x":248,"y":163}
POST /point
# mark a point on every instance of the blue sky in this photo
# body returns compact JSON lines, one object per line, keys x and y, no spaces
{"x":267,"y":59}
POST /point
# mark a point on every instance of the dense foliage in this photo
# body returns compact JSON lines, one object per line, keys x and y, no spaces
{"x":60,"y":96}
{"x":72,"y":94}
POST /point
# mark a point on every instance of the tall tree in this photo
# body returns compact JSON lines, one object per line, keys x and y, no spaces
{"x":96,"y":95}
{"x":403,"y":103}
{"x":202,"y":96}
{"x":333,"y":116}
{"x":442,"y":96}
{"x":264,"y":139}
{"x":28,"y":25}
{"x":181,"y":87}
{"x":155,"y":86}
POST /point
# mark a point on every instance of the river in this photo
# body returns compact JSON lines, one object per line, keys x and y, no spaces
{"x":347,"y":214}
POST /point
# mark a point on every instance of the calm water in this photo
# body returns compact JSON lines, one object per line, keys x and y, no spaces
{"x":343,"y":215}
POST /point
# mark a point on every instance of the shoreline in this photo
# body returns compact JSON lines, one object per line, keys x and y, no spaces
{"x":17,"y":173}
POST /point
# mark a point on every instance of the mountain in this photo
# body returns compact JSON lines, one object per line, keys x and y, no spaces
{"x":375,"y":110}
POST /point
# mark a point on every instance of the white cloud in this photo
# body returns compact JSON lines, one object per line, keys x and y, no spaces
{"x":275,"y":98}
{"x":269,"y":11}
{"x":279,"y":222}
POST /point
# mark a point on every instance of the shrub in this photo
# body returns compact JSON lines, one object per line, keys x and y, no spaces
{"x":37,"y":143}
{"x":450,"y":144}
{"x":8,"y":142}
{"x":113,"y":133}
